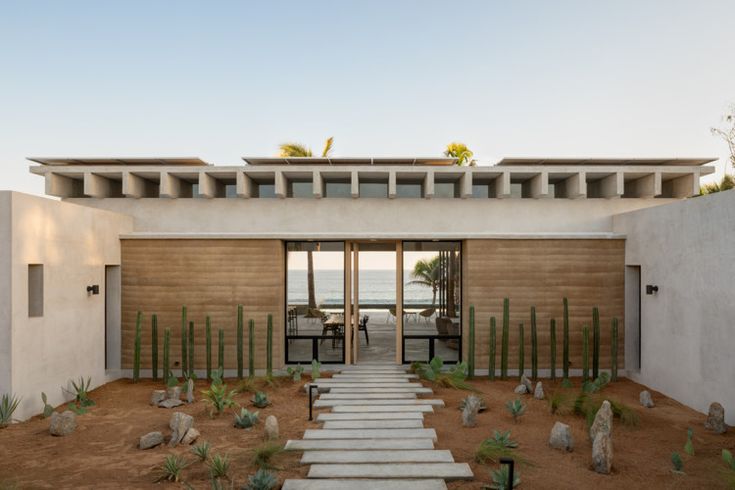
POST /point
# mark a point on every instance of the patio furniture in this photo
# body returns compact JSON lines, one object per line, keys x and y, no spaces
{"x":334,"y":323}
{"x":293,"y":321}
{"x":314,"y":314}
{"x":442,"y":325}
{"x":363,"y":326}
{"x":391,"y":315}
{"x":427,"y":314}
{"x":452,"y":329}
{"x":411,"y":313}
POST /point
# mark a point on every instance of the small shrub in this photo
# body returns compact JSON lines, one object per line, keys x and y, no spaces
{"x":263,"y":454}
{"x":171,"y":380}
{"x":8,"y":405}
{"x":219,"y":466}
{"x":587,"y":405}
{"x":295,"y":372}
{"x":561,"y":402}
{"x":728,"y":458}
{"x":689,"y":445}
{"x":315,"y":369}
{"x":566,"y":383}
{"x":245,"y":419}
{"x":261,"y":480}
{"x":246,"y":386}
{"x":454,"y":378}
{"x":260,"y":400}
{"x":496,"y":447}
{"x":597,"y":385}
{"x":77,"y":409}
{"x":501,"y":476}
{"x":80,"y":390}
{"x":677,"y":462}
{"x":516,"y":408}
{"x":219,"y":398}
{"x":172,"y":467}
{"x":47,"y":409}
{"x":201,"y":451}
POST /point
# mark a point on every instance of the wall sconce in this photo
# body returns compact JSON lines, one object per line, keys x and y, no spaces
{"x":93,"y":289}
{"x":651,"y":289}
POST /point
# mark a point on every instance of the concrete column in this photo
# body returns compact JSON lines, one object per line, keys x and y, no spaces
{"x":173,"y":187}
{"x":281,"y":189}
{"x":317,"y":184}
{"x":355,"y":185}
{"x":62,"y":186}
{"x":576,"y":185}
{"x":209,"y":187}
{"x":465,"y":185}
{"x":243,"y":185}
{"x":612,"y":186}
{"x":647,"y":186}
{"x":99,"y":186}
{"x":429,"y":185}
{"x":137,"y":187}
{"x":537,"y":186}
{"x":684,"y":186}
{"x":502,"y":185}
{"x":392,"y":185}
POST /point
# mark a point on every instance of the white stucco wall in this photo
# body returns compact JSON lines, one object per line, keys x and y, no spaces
{"x":74,"y":243}
{"x":688,"y":327}
{"x":5,"y":293}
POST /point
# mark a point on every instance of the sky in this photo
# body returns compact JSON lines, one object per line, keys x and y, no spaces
{"x":221,"y":80}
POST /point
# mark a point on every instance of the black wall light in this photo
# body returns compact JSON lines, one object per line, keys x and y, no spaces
{"x":93,"y":289}
{"x":651,"y":289}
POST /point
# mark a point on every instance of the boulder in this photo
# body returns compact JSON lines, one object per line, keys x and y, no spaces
{"x":179,"y":424}
{"x":470,"y":411}
{"x":62,"y":424}
{"x":603,"y":421}
{"x":527,"y":383}
{"x":150,"y":440}
{"x":173,"y":392}
{"x":191,"y":436}
{"x":602,"y":453}
{"x":190,"y":391}
{"x":561,"y":437}
{"x":157,"y":397}
{"x":521,"y":390}
{"x":271,"y":427}
{"x":645,"y":399}
{"x":538,"y":393}
{"x":716,"y":419}
{"x":170,"y":403}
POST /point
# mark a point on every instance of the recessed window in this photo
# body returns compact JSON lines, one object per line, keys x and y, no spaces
{"x":481,"y":191}
{"x":374,"y":189}
{"x":301,"y":189}
{"x":445,"y":190}
{"x":337,"y":189}
{"x":230,"y":191}
{"x":409,"y":190}
{"x":265,"y":190}
{"x":35,"y":290}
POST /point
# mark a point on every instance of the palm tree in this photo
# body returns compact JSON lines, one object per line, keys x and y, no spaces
{"x":460,"y":152}
{"x":299,"y":150}
{"x":426,"y":273}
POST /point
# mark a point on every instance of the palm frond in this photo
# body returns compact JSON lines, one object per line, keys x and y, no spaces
{"x":294,"y":150}
{"x":327,"y":147}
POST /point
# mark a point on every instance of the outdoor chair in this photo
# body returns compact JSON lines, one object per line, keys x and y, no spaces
{"x":442,"y":325}
{"x":452,"y":329}
{"x":391,"y":315}
{"x":293,"y":321}
{"x":427,"y":314}
{"x":315,"y":314}
{"x":363,"y":326}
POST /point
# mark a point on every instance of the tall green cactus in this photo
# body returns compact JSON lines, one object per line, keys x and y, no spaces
{"x":565,"y":352}
{"x":521,"y":351}
{"x":166,"y":354}
{"x":471,"y":353}
{"x":251,"y":348}
{"x":491,"y":350}
{"x":154,"y":347}
{"x":534,"y":345}
{"x":552,"y":345}
{"x":184,"y":357}
{"x":269,"y":348}
{"x":191,"y":349}
{"x":614,"y":350}
{"x":585,"y":353}
{"x":221,"y":351}
{"x":504,"y":340}
{"x":208,"y":345}
{"x":136,"y":347}
{"x":595,"y":342}
{"x":239,"y":341}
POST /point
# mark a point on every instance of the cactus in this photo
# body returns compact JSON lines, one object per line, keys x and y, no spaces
{"x":504,"y":345}
{"x":585,"y":353}
{"x":565,"y":353}
{"x":315,"y":369}
{"x":614,"y":350}
{"x":521,"y":351}
{"x":183,"y":342}
{"x":191,"y":349}
{"x":269,"y":348}
{"x":239,"y":342}
{"x":166,"y":357}
{"x":552,"y":344}
{"x":595,"y":342}
{"x":208,"y":345}
{"x":491,"y":350}
{"x":136,"y":351}
{"x":221,"y":351}
{"x":154,"y":346}
{"x":251,"y":348}
{"x":471,"y":353}
{"x":534,"y":345}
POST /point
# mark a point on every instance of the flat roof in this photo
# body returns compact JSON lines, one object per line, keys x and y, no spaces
{"x":61,"y":161}
{"x":682,"y":162}
{"x":350,"y":161}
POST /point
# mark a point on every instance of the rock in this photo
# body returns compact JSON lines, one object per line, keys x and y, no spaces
{"x":602,"y":453}
{"x":190,"y":391}
{"x":538,"y":393}
{"x":157,"y":397}
{"x":645,"y":399}
{"x":521,"y":390}
{"x":191,"y":436}
{"x":527,"y":383}
{"x":603,"y":421}
{"x":151,"y":439}
{"x":173,"y":392}
{"x":170,"y":403}
{"x":271,"y":427}
{"x":63,"y":424}
{"x":716,"y":419}
{"x":179,"y":424}
{"x":561,"y":437}
{"x":470,"y":411}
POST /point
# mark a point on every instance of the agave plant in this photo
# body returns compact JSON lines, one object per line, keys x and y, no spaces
{"x":295,"y":372}
{"x":500,"y":445}
{"x":8,"y":405}
{"x":261,"y":480}
{"x":516,"y":408}
{"x":500,"y":479}
{"x":201,"y":451}
{"x":172,"y":467}
{"x":263,"y":454}
{"x":219,"y":466}
{"x":218,"y":397}
{"x":245,"y":419}
{"x":677,"y":462}
{"x":80,"y":390}
{"x":594,"y":386}
{"x":433,"y":371}
{"x":260,"y":400}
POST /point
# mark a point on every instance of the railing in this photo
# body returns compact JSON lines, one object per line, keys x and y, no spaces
{"x":432,"y":350}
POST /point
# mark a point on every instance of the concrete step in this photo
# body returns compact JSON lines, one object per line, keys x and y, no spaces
{"x":368,"y":396}
{"x":447,"y":471}
{"x":370,"y":379}
{"x":418,"y":401}
{"x":374,"y":424}
{"x":374,"y":375}
{"x":381,"y":390}
{"x":358,"y":444}
{"x":365,"y":384}
{"x":361,"y":457}
{"x":374,"y":371}
{"x":435,"y":484}
{"x":370,"y":434}
{"x":324,"y":417}
{"x":381,"y":408}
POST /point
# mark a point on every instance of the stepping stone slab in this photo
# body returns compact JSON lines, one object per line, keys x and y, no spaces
{"x":357,"y":457}
{"x":374,"y":375}
{"x":447,"y":471}
{"x":370,"y":434}
{"x":357,"y":444}
{"x":369,"y":379}
{"x":368,"y":396}
{"x":382,"y":408}
{"x":374,"y":424}
{"x":364,"y":485}
{"x":418,"y":401}
{"x":382,"y":390}
{"x":374,"y":371}
{"x":366,"y":384}
{"x":324,"y":417}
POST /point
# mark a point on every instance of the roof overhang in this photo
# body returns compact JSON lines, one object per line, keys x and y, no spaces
{"x":435,"y":161}
{"x":677,"y":162}
{"x":62,"y":161}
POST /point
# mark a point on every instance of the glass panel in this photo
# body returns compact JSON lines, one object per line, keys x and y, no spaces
{"x":480,"y":191}
{"x":445,"y":189}
{"x":516,"y":190}
{"x":377,"y":293}
{"x":409,"y":190}
{"x":230,"y":191}
{"x":299,"y":351}
{"x":266,"y":190}
{"x":374,"y":189}
{"x":301,"y":189}
{"x":447,"y":349}
{"x":415,"y":350}
{"x":337,"y":189}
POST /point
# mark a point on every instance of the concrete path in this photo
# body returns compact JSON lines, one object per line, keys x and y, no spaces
{"x":374,"y":437}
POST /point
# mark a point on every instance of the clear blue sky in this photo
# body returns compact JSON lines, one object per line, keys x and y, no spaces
{"x":225,"y":79}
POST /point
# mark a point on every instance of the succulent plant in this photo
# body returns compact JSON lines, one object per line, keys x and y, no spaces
{"x":245,"y":419}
